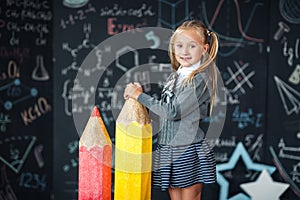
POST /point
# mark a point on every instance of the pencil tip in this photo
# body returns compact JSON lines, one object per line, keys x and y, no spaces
{"x":95,"y":112}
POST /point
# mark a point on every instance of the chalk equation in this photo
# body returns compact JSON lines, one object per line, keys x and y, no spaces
{"x":245,"y":119}
{"x":116,"y":10}
{"x":79,"y":15}
{"x":288,"y":152}
{"x":75,"y":52}
{"x":36,"y":111}
{"x":72,"y":163}
{"x":290,"y":173}
{"x":18,"y":54}
{"x":291,"y":51}
{"x":32,"y":181}
{"x":4,"y":121}
{"x":35,"y":16}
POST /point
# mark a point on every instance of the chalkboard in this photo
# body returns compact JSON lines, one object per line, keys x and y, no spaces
{"x":26,"y":100}
{"x":58,"y":59}
{"x":245,"y":58}
{"x":284,"y":93}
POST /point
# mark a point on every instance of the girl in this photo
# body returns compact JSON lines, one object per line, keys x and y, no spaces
{"x":183,"y":160}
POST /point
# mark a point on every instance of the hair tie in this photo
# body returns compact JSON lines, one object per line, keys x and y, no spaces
{"x":208,"y":32}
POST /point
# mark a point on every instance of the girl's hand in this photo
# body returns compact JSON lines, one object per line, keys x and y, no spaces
{"x":133,"y":90}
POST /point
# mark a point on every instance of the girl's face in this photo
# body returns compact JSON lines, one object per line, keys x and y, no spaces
{"x":188,"y":48}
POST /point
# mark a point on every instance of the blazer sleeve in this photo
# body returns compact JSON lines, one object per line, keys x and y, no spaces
{"x":191,"y":97}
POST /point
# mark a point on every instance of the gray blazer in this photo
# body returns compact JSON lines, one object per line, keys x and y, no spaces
{"x":181,"y":110}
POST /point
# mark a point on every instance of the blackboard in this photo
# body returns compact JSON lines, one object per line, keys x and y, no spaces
{"x":244,"y":62}
{"x":26,"y":100}
{"x":283,"y":92}
{"x":45,"y":104}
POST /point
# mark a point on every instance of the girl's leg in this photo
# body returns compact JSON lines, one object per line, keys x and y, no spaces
{"x":192,"y":193}
{"x":175,"y":193}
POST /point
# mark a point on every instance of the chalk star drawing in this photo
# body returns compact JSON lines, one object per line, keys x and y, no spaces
{"x":239,"y":152}
{"x":15,"y":90}
{"x":239,"y":78}
{"x":16,"y":160}
{"x":289,"y":96}
{"x":260,"y":189}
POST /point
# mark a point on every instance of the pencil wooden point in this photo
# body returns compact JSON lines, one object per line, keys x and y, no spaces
{"x":133,"y":111}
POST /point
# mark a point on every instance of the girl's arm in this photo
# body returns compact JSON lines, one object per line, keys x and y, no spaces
{"x":189,"y":99}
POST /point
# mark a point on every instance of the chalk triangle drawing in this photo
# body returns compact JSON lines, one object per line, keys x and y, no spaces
{"x":16,"y":150}
{"x":289,"y":96}
{"x":295,"y":76}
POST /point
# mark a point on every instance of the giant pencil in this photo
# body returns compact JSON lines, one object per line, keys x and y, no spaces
{"x":95,"y":159}
{"x":133,"y":153}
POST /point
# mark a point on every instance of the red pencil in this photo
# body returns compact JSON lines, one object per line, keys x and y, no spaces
{"x":95,"y":160}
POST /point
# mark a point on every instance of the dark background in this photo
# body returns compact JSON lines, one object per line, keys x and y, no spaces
{"x":44,"y":43}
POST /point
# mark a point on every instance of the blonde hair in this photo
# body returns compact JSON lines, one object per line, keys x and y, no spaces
{"x":207,"y":61}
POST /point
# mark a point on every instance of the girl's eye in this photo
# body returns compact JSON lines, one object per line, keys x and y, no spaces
{"x":191,"y":46}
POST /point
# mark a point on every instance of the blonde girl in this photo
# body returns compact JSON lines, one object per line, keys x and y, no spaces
{"x":183,"y":160}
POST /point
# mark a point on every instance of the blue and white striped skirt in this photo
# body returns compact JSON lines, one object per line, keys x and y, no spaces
{"x":183,"y":166}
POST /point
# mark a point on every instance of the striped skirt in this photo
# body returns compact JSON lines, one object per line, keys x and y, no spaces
{"x":180,"y":167}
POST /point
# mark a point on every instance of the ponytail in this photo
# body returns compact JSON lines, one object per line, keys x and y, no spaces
{"x":208,"y":63}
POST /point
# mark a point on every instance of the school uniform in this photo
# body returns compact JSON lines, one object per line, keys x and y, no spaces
{"x":183,"y":156}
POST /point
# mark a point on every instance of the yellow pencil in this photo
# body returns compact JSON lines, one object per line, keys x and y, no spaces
{"x":133,"y":153}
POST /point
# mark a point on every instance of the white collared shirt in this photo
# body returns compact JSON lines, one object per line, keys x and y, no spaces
{"x":184,"y":72}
